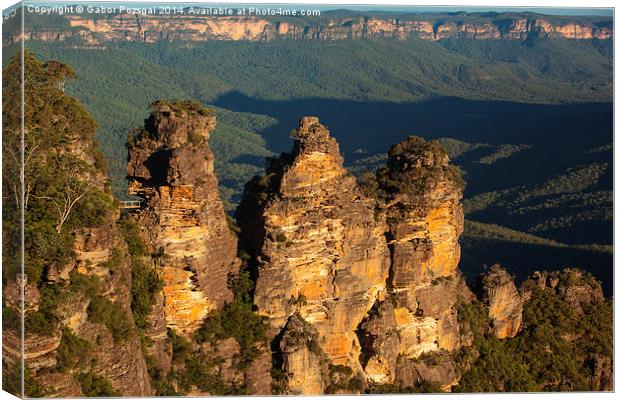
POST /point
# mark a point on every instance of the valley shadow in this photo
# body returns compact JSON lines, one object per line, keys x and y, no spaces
{"x":559,"y":136}
{"x":522,"y":259}
{"x":374,"y":126}
{"x":555,"y":131}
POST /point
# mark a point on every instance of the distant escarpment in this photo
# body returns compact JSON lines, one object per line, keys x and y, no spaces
{"x":198,"y":28}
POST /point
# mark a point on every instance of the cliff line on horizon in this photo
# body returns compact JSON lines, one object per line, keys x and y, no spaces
{"x":97,"y":29}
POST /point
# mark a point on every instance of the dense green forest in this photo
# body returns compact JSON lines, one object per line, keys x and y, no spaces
{"x":529,"y":123}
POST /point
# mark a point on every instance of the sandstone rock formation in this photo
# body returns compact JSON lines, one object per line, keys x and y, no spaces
{"x":504,"y":302}
{"x":313,"y":232}
{"x":425,"y":219}
{"x":195,"y":27}
{"x":171,"y":168}
{"x":308,"y":226}
{"x":421,"y":199}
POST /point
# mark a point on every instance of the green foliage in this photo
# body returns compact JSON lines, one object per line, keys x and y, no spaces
{"x":198,"y":370}
{"x":112,"y":315}
{"x":342,"y":381}
{"x":236,"y":320}
{"x":502,"y":152}
{"x":232,"y":225}
{"x":145,"y":280}
{"x":403,"y":175}
{"x":190,"y":106}
{"x":94,"y":385}
{"x":369,"y":185}
{"x":201,"y":372}
{"x":87,"y":285}
{"x":162,"y":383}
{"x":11,"y":318}
{"x":347,"y":70}
{"x":60,"y":192}
{"x":96,"y":208}
{"x":181,"y":347}
{"x":387,"y":388}
{"x":131,"y":234}
{"x":550,"y":354}
{"x":73,"y":352}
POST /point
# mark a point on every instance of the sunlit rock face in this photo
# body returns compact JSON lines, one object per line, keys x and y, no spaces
{"x":425,"y":219}
{"x":201,"y":28}
{"x":504,"y":302}
{"x":420,"y":195}
{"x":319,"y":247}
{"x":171,"y":167}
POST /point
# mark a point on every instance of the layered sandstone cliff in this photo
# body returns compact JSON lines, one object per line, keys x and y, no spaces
{"x":320,"y":252}
{"x":375,"y":278}
{"x":198,"y":28}
{"x":420,"y":195}
{"x":182,"y":216}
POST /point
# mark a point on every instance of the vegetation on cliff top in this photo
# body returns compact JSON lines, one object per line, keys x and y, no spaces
{"x":189,"y":106}
{"x":60,"y":190}
{"x":556,"y":350}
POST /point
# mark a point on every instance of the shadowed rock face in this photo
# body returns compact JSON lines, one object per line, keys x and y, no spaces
{"x":504,"y":302}
{"x":319,"y":246}
{"x":171,"y":167}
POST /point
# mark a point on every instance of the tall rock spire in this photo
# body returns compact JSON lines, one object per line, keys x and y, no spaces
{"x":171,"y":167}
{"x":421,"y":197}
{"x":321,"y":256}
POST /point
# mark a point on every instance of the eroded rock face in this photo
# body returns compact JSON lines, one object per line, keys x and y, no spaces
{"x":318,"y":244}
{"x":422,"y":203}
{"x":302,"y":358}
{"x":504,"y":302}
{"x":380,"y":343}
{"x":171,"y":167}
{"x":309,"y":227}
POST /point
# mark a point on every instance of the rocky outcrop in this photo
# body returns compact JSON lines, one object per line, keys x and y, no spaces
{"x":437,"y":368}
{"x":312,"y":231}
{"x":425,"y":219}
{"x":380,"y":343}
{"x":420,"y":196}
{"x":199,"y":28}
{"x":309,"y":226}
{"x":302,"y":358}
{"x":171,"y":168}
{"x":505,"y":304}
{"x":574,"y":286}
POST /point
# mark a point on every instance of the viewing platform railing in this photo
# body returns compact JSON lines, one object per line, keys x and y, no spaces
{"x":128,"y":204}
